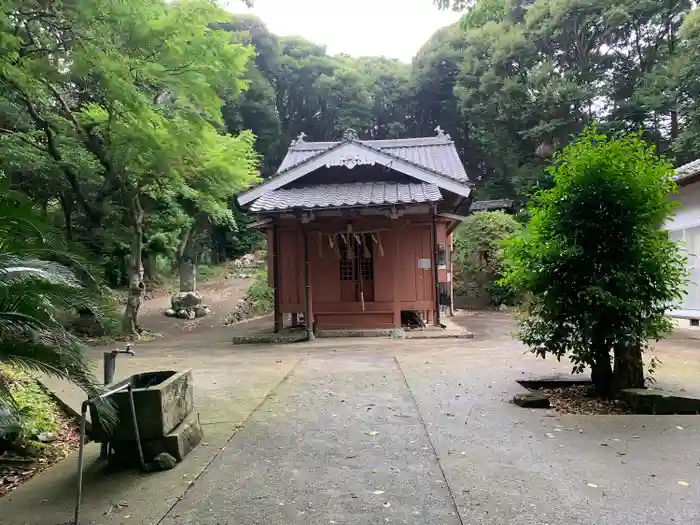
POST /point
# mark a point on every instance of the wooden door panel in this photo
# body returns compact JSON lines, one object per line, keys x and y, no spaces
{"x":347,"y":291}
{"x":368,"y":290}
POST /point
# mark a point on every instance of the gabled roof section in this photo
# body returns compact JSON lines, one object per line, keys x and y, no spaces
{"x":431,"y":160}
{"x":435,"y":153}
{"x":685,"y":173}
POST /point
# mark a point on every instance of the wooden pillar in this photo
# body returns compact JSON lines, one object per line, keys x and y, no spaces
{"x":295,"y":320}
{"x":308,"y":313}
{"x":278,"y":320}
{"x":451,"y":267}
{"x":395,"y":251}
{"x":435,"y":271}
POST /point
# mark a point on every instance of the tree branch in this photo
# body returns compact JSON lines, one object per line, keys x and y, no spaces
{"x":24,"y":139}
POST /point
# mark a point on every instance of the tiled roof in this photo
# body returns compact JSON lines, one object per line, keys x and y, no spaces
{"x":352,"y":194}
{"x":687,"y":170}
{"x":435,"y":153}
{"x":499,"y":204}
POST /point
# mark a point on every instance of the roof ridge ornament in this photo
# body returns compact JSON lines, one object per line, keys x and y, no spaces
{"x":441,"y":133}
{"x":300,"y":139}
{"x":350,"y":134}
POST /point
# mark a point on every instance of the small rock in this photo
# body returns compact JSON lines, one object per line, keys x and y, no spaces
{"x":183,"y":314}
{"x":165,"y":461}
{"x":503,"y":308}
{"x":47,"y":437}
{"x":398,"y":333}
{"x":170,"y":313}
{"x":531,"y":400}
{"x":201,"y":311}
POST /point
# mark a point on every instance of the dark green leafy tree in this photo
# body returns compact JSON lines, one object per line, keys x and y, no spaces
{"x":599,"y":270}
{"x":113,"y":99}
{"x":684,"y":77}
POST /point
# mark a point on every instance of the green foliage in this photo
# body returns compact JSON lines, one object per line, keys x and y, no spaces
{"x":207,"y":272}
{"x":531,"y":73}
{"x":41,"y":278}
{"x":599,"y":270}
{"x":36,"y":411}
{"x":111,"y":113}
{"x":260,"y":295}
{"x":477,"y":254}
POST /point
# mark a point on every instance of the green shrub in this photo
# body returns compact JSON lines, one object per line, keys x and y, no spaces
{"x":207,"y":272}
{"x":478,"y":255}
{"x":260,"y":295}
{"x":35,"y":412}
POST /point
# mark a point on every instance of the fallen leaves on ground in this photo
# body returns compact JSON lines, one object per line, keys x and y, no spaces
{"x":581,"y":399}
{"x":15,"y":470}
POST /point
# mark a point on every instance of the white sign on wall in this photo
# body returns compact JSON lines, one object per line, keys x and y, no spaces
{"x":425,"y":264}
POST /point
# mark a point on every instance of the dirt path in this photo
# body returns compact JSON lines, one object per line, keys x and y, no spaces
{"x":221,"y":296}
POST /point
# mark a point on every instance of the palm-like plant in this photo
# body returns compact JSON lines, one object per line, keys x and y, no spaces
{"x":40,"y":280}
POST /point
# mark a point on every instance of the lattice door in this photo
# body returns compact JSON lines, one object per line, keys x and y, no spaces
{"x":357,"y":269}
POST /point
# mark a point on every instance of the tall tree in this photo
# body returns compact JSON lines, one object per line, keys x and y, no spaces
{"x":106,"y":94}
{"x":609,"y":201}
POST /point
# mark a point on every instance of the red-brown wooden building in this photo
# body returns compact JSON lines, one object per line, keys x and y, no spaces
{"x":360,"y":230}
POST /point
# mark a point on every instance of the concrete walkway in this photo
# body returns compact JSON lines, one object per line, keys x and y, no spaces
{"x":340,"y":441}
{"x":372,"y":431}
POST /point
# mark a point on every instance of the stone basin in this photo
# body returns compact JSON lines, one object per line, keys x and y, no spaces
{"x":162,"y":399}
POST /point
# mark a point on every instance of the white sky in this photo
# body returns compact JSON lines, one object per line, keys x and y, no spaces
{"x":393,"y":28}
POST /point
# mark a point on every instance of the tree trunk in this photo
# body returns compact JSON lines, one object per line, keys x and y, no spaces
{"x":629,"y":368}
{"x":674,"y":124}
{"x":137,"y":287}
{"x":67,"y":207}
{"x":674,"y":111}
{"x":150,"y":270}
{"x":601,"y":371}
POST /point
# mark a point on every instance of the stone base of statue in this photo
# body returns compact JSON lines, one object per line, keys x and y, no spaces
{"x":187,"y":305}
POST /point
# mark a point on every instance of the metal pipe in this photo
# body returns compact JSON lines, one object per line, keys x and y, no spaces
{"x":81,"y":458}
{"x":109,"y":365}
{"x":307,"y":281}
{"x":81,"y":447}
{"x":276,"y":276}
{"x":435,"y":270}
{"x":135,"y":423}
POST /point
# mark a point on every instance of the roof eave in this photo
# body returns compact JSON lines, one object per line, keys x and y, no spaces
{"x":686,"y":180}
{"x":306,"y":209}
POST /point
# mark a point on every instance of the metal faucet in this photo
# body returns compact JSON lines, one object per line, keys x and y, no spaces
{"x":109,"y":367}
{"x":128,"y":350}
